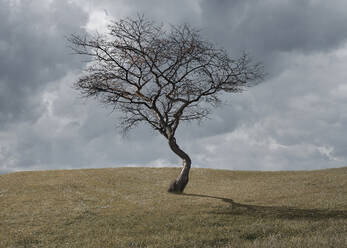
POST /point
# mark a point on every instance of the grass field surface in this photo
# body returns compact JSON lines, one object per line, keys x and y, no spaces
{"x":130,"y":207}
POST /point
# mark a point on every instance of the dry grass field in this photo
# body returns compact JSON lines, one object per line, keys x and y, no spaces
{"x":129,"y":207}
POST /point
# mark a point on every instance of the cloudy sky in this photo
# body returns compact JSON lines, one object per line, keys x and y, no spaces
{"x":296,"y":119}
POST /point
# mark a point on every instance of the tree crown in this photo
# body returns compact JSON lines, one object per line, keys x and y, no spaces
{"x":157,"y":75}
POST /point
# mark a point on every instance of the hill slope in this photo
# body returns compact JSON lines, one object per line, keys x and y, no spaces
{"x":129,"y":207}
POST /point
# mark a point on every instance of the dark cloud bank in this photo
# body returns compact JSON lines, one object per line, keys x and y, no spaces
{"x":295,"y":119}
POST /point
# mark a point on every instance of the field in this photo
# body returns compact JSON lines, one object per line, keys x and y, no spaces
{"x":129,"y":207}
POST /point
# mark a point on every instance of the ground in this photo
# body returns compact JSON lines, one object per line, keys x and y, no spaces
{"x":130,"y":207}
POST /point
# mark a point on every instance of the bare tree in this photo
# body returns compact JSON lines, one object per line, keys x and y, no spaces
{"x":160,"y":76}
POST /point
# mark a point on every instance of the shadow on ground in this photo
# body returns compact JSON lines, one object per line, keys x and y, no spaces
{"x":275,"y":211}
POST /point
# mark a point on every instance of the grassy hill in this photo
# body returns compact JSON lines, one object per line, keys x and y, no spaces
{"x":129,"y":207}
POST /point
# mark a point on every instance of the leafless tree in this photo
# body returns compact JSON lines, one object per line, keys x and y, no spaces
{"x":160,"y":75}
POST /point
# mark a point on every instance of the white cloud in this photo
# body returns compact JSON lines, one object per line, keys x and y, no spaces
{"x":297,"y":120}
{"x":98,"y":21}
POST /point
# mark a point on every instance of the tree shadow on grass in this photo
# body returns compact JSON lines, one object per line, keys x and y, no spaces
{"x":281,"y":212}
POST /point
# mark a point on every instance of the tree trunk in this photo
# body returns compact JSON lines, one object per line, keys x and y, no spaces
{"x":178,"y":185}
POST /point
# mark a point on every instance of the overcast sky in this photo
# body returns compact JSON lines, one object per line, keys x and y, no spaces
{"x":296,"y":119}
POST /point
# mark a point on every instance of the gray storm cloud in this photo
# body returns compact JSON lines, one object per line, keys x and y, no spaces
{"x":295,"y":119}
{"x":33,"y":53}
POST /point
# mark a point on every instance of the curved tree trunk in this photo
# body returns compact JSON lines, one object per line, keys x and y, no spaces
{"x":178,"y":185}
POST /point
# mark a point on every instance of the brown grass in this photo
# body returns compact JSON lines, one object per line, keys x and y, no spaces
{"x":129,"y":207}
